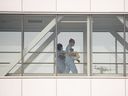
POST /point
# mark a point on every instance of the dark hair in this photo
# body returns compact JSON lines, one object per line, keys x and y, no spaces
{"x":71,"y":40}
{"x":59,"y":46}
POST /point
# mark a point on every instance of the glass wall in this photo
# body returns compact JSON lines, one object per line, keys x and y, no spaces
{"x":10,"y":44}
{"x":107,"y":44}
{"x":72,"y":28}
{"x":126,"y":45}
{"x":56,"y":45}
{"x":39,"y":38}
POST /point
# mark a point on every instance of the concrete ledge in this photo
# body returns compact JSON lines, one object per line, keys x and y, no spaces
{"x":63,"y":77}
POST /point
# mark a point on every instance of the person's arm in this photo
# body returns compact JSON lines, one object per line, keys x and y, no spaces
{"x":68,"y":50}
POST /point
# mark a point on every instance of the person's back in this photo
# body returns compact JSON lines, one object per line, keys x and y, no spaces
{"x":60,"y":59}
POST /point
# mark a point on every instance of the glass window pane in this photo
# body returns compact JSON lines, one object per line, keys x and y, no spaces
{"x":126,"y":43}
{"x":10,"y":43}
{"x":72,"y":28}
{"x":40,"y":34}
{"x":107,"y":42}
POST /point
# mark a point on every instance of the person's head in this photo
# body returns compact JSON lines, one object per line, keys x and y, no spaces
{"x":59,"y":46}
{"x":72,"y":42}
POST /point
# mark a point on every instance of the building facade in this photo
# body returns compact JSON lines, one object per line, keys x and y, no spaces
{"x":30,"y":31}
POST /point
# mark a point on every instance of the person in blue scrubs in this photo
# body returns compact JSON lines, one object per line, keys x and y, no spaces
{"x":60,"y":58}
{"x":69,"y":60}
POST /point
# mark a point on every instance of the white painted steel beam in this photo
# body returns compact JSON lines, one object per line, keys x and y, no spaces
{"x":120,"y":39}
{"x":121,"y":19}
{"x":89,"y":47}
{"x":40,"y":49}
{"x":117,"y":36}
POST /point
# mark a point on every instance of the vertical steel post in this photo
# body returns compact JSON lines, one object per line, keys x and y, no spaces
{"x":89,"y":45}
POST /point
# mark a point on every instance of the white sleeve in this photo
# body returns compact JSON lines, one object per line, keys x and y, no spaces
{"x":68,"y":49}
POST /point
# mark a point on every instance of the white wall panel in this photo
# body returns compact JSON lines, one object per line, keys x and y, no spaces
{"x":10,"y":5}
{"x":73,"y":5}
{"x":73,"y":87}
{"x":126,"y":5}
{"x":108,"y":87}
{"x":39,"y":87}
{"x":126,"y":87}
{"x":10,"y":87}
{"x":39,"y":5}
{"x":107,"y":5}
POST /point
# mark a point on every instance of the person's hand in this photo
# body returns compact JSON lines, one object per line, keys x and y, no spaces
{"x":73,"y":54}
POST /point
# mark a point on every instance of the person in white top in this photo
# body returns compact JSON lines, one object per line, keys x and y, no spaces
{"x":69,"y":59}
